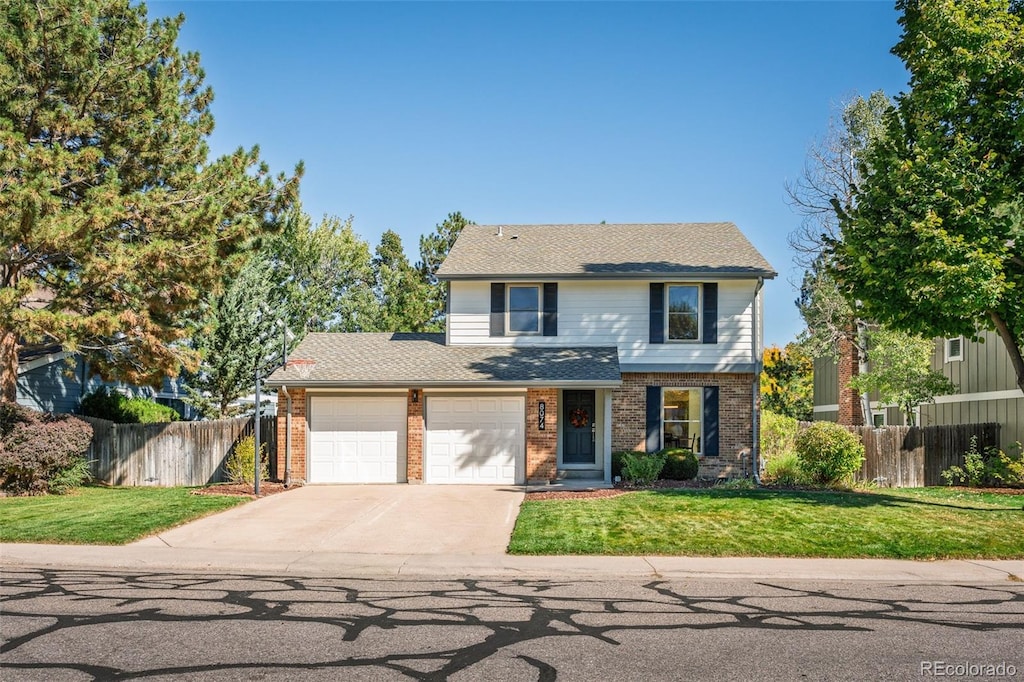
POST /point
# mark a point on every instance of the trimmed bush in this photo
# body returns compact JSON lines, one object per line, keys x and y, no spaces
{"x":42,"y":452}
{"x":115,"y":407}
{"x":680,"y":464}
{"x":828,"y":453}
{"x":240,"y":464}
{"x":617,"y":461}
{"x":642,"y":469}
{"x":778,"y":434}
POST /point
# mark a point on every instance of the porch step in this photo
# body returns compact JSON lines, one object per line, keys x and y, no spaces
{"x":589,"y":474}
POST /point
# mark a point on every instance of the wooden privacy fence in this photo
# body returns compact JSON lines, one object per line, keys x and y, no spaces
{"x":172,"y":453}
{"x":915,"y":456}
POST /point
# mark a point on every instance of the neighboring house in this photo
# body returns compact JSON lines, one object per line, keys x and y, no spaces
{"x":52,"y":380}
{"x":987,"y":391}
{"x":563,"y":344}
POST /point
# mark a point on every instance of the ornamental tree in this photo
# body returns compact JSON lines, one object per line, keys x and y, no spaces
{"x":115,"y":221}
{"x":901,"y":371}
{"x":933,"y":238}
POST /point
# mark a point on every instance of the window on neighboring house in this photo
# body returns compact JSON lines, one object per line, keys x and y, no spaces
{"x":955,"y":349}
{"x":878,"y":418}
{"x":524,"y":309}
{"x":683,"y":312}
{"x":681,"y":424}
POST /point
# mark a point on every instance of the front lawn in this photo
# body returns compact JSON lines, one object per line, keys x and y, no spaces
{"x":104,"y":516}
{"x":928,"y":523}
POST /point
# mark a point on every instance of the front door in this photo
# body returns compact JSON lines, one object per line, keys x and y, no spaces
{"x":578,"y":427}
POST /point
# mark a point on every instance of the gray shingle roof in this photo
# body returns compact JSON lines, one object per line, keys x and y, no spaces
{"x":422,"y":360}
{"x":621,"y":250}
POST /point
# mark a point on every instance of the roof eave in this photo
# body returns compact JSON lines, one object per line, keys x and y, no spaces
{"x":545,"y":383}
{"x":681,"y":275}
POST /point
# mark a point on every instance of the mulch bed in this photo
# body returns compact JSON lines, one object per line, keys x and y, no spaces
{"x":243,"y":489}
{"x":619,"y":489}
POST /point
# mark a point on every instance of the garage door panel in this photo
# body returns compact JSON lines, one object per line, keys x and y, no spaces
{"x":357,"y":439}
{"x":475,"y":439}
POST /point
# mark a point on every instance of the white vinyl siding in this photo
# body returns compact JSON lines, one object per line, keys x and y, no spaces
{"x":612,"y":313}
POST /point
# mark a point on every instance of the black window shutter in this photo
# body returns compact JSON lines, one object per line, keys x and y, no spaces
{"x":497,"y":309}
{"x":657,"y":312}
{"x":711,"y":313}
{"x":710,"y":421}
{"x":551,"y":309}
{"x":653,"y":443}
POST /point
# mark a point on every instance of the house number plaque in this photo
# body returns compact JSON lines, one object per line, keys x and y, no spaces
{"x":542,"y":410}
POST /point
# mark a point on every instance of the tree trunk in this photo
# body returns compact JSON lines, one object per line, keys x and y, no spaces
{"x":1012,"y":344}
{"x":8,"y":366}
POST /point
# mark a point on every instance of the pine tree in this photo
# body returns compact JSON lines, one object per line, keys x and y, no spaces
{"x":115,"y":222}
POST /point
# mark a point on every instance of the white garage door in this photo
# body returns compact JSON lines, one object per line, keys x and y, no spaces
{"x":357,"y":439}
{"x":475,"y":439}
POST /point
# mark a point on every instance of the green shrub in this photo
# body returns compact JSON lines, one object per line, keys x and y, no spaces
{"x":640,"y":468}
{"x":240,"y":463}
{"x":115,"y":407}
{"x":617,"y":461}
{"x":778,"y":434}
{"x":680,"y":464}
{"x":42,"y":452}
{"x":784,"y":470}
{"x":992,"y":467}
{"x":828,"y":453}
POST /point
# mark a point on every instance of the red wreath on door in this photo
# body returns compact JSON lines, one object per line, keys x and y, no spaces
{"x":579,"y":418}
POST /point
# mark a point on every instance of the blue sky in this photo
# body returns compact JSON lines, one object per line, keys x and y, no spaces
{"x":538,"y":112}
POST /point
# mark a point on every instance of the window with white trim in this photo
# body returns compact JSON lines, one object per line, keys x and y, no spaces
{"x":955,"y":349}
{"x":683,"y":312}
{"x":681,"y":418}
{"x":523,"y":309}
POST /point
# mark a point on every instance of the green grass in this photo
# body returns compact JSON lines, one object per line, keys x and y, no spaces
{"x":929,"y":523}
{"x":104,"y":516}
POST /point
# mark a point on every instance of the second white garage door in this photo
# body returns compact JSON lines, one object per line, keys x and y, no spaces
{"x":357,"y":439}
{"x":475,"y":439}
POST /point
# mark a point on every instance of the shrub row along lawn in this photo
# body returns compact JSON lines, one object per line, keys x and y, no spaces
{"x":104,"y":516}
{"x":928,"y":523}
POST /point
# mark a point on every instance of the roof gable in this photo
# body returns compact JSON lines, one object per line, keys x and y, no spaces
{"x":605,"y":251}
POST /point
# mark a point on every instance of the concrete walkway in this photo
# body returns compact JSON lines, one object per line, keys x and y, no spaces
{"x":277,"y":562}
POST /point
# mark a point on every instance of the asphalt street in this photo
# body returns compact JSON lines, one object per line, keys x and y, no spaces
{"x":78,"y":624}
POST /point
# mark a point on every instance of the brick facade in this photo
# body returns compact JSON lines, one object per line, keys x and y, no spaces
{"x":541,"y":446}
{"x":735,"y":412}
{"x":298,"y":473}
{"x":414,"y":437}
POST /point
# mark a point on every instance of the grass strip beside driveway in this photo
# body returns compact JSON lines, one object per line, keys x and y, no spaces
{"x":95,"y":515}
{"x":931,"y":523}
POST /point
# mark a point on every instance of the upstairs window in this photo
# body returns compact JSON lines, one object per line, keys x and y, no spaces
{"x":524,"y":309}
{"x":683,"y":312}
{"x":955,"y":349}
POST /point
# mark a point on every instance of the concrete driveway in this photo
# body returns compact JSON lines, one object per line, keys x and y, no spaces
{"x":370,"y":519}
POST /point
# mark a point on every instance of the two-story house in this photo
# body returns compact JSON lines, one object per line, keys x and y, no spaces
{"x":563,"y":344}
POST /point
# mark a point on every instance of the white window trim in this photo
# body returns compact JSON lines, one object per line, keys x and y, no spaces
{"x":508,"y":308}
{"x":946,"y":348}
{"x":700,"y":312}
{"x":700,"y":398}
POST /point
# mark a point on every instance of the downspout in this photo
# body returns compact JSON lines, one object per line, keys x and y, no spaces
{"x":755,"y":413}
{"x":287,"y":437}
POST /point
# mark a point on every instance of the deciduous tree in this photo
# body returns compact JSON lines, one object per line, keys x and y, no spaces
{"x":901,"y":371}
{"x":115,"y":221}
{"x":787,"y":382}
{"x":933,"y":238}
